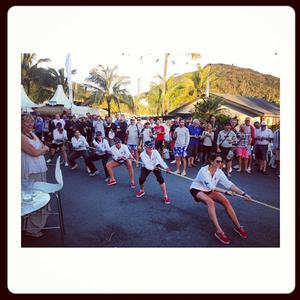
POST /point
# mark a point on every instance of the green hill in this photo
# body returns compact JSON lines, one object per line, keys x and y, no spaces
{"x":241,"y":81}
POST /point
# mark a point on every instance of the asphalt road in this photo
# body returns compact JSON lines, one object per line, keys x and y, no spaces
{"x":97,"y":215}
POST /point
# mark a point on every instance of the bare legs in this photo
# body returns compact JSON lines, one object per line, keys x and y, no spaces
{"x":113,"y":164}
{"x":210,"y":202}
{"x":178,"y":163}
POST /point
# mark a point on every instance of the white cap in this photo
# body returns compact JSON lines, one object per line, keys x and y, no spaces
{"x":263,"y":123}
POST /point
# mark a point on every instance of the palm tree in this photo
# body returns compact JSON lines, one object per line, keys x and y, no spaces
{"x":58,"y":77}
{"x":171,"y":91}
{"x":208,"y":106}
{"x":32,"y":76}
{"x":108,"y":86}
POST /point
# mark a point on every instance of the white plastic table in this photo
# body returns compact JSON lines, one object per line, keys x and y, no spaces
{"x":40,"y":200}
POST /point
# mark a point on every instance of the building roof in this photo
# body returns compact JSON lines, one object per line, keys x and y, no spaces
{"x":261,"y":106}
{"x":247,"y":105}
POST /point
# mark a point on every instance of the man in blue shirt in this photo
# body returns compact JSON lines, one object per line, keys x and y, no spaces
{"x":192,"y":151}
{"x":39,"y":126}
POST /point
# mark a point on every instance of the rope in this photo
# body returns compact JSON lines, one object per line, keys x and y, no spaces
{"x":234,"y":194}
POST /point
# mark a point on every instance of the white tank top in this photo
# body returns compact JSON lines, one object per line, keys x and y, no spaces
{"x":32,"y":164}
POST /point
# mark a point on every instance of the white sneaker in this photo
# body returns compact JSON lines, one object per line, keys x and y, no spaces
{"x":230,"y":170}
{"x":183,"y":173}
{"x":48,"y":160}
{"x":88,"y":170}
{"x":74,"y":167}
{"x":66,"y":164}
{"x":173,"y":161}
{"x":248,"y":170}
{"x":236,"y":166}
{"x":95,"y":173}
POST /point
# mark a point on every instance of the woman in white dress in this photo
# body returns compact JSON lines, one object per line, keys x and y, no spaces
{"x":33,"y":168}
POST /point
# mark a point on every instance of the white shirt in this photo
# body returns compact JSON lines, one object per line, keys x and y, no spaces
{"x":101,"y":147}
{"x":62,"y":121}
{"x":151,"y":162}
{"x":79,"y":144}
{"x":140,"y":126}
{"x":267,"y":133}
{"x":99,"y":126}
{"x":224,"y":140}
{"x":57,"y":136}
{"x":182,"y":137}
{"x":206,"y":183}
{"x":133,"y":135}
{"x":167,"y":133}
{"x":123,"y":151}
{"x":207,"y":141}
{"x":146,"y":134}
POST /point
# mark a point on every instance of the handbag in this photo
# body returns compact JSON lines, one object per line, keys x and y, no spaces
{"x":111,"y":134}
{"x":230,"y":155}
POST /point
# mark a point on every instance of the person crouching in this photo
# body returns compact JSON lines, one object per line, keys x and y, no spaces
{"x":152,"y":161}
{"x":79,"y":145}
{"x":101,"y":152}
{"x":120,"y":155}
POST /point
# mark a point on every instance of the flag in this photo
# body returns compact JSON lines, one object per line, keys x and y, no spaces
{"x":69,"y":76}
{"x":207,"y":89}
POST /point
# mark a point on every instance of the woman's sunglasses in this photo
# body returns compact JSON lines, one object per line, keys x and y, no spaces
{"x":218,"y":161}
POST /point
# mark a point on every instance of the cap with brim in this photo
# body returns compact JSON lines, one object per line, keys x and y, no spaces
{"x":263,"y":123}
{"x":149,"y":145}
{"x":117,"y":141}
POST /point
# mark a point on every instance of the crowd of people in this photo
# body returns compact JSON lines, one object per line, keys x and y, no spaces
{"x":185,"y":142}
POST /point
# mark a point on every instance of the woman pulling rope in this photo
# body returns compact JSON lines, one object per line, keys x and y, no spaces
{"x":204,"y":189}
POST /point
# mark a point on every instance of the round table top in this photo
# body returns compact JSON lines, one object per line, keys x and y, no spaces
{"x":38,"y":201}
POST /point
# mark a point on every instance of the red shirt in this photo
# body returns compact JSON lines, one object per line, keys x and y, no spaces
{"x":160,"y":131}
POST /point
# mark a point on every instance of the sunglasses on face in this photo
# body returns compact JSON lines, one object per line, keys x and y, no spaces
{"x":218,"y":161}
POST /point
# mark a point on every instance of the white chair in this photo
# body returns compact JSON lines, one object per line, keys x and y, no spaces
{"x":54,"y":189}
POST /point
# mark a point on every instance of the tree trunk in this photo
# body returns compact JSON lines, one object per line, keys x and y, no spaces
{"x":108,"y":106}
{"x":164,"y":109}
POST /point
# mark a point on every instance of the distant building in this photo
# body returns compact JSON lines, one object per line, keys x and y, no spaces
{"x":240,"y":106}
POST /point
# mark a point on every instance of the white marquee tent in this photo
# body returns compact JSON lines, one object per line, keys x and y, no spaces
{"x":26,"y":103}
{"x":60,"y":98}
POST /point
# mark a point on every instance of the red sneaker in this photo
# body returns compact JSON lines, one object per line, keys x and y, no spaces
{"x":167,"y":200}
{"x":222,"y":238}
{"x":111,"y":182}
{"x":241,"y":232}
{"x":140,"y":194}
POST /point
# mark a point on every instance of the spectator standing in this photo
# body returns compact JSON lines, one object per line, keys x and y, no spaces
{"x":216,"y":128}
{"x":263,"y":137}
{"x":276,"y":150}
{"x":121,"y":129}
{"x":207,"y":138}
{"x":39,"y":127}
{"x":98,"y":125}
{"x":160,"y":136}
{"x":242,"y":149}
{"x":58,"y":119}
{"x":192,"y":150}
{"x":225,"y":141}
{"x":33,"y":168}
{"x":132,"y":140}
{"x":182,"y":139}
